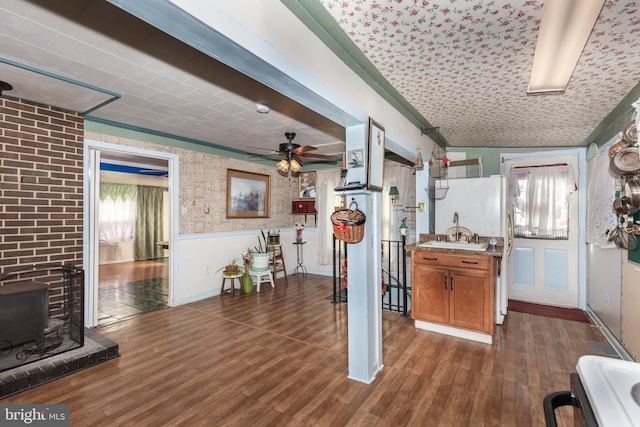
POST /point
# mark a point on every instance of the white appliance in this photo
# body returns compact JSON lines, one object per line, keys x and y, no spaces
{"x":481,"y":205}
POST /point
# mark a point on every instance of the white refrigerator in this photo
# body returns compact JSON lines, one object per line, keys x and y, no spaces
{"x":481,"y":204}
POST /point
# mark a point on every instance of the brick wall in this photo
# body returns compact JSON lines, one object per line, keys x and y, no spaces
{"x":40,"y":186}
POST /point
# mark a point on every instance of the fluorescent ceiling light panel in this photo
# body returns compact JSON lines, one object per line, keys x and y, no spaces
{"x":565,"y":28}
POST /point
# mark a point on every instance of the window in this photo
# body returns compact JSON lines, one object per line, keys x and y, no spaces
{"x":117,"y":213}
{"x":539,"y":198}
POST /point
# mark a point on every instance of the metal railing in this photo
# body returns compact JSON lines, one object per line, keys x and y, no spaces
{"x":396,"y":292}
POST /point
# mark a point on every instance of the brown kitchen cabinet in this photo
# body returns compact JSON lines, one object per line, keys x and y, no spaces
{"x":453,"y":290}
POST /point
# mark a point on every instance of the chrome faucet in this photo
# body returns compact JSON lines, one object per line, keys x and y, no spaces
{"x":455,"y":219}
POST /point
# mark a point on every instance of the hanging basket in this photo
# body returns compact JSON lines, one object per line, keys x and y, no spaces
{"x":348,"y":224}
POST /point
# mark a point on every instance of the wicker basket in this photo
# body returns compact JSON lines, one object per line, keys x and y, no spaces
{"x":348,"y":224}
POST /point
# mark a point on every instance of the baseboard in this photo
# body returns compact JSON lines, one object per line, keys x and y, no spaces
{"x":613,"y":341}
{"x":454,"y":332}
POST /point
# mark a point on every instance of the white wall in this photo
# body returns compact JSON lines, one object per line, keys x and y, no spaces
{"x":200,"y":256}
{"x":604,"y":293}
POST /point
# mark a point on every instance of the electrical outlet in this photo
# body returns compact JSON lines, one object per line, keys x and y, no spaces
{"x":606,"y":297}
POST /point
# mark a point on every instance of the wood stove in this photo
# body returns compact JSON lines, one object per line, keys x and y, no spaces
{"x":24,"y":313}
{"x":41,"y":317}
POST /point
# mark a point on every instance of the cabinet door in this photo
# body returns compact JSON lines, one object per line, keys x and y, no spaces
{"x":430,"y":298}
{"x":469,"y":303}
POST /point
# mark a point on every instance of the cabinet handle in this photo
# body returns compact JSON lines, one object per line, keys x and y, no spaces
{"x":429,"y":259}
{"x":445,"y":283}
{"x":469,"y":262}
{"x":451,"y":283}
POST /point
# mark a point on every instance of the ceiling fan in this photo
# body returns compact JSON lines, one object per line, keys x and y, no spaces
{"x":293,"y":153}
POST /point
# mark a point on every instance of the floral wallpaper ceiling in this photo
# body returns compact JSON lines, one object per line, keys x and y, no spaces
{"x":465,"y":64}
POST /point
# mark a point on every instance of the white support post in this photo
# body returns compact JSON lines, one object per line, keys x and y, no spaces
{"x":364,"y":281}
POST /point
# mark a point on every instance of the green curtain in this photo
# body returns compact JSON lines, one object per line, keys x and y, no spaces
{"x":118,"y":191}
{"x":149,"y":222}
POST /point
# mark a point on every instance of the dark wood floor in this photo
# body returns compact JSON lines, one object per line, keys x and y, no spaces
{"x":280,"y":358}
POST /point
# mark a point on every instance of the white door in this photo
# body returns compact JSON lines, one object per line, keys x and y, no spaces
{"x":546,"y":271}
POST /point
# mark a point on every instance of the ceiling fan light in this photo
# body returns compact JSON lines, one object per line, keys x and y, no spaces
{"x":295,"y":166}
{"x":283,"y":165}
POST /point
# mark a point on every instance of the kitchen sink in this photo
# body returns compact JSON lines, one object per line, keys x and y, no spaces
{"x":611,"y":385}
{"x":454,"y":245}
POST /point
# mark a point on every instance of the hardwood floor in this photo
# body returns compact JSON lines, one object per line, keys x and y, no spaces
{"x":129,"y":289}
{"x":132,"y":271}
{"x":280,"y":358}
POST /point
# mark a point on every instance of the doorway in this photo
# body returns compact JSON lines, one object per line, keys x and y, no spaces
{"x":128,"y":253}
{"x":546,"y":269}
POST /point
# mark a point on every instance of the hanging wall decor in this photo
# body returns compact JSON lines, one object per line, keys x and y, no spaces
{"x":375,"y":156}
{"x":248,"y":194}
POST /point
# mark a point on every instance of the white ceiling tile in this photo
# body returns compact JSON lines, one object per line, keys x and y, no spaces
{"x":25,"y":30}
{"x":67,"y":25}
{"x":70,"y":48}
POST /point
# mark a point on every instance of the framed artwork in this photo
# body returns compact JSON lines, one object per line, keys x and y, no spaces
{"x":375,"y":156}
{"x":248,"y":194}
{"x":307,"y":185}
{"x":355,"y":159}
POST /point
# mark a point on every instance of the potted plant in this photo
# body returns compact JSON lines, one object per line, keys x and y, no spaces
{"x":261,"y":253}
{"x":231,"y":268}
{"x":299,"y":226}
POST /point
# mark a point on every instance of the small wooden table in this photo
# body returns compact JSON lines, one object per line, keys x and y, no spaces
{"x":232,"y":289}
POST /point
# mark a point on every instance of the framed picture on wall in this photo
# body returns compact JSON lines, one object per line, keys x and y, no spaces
{"x":248,"y":194}
{"x":375,"y":156}
{"x":355,"y":159}
{"x":307,"y":185}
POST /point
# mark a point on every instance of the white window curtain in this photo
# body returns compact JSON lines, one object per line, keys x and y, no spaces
{"x":540,"y":193}
{"x":326,"y":201}
{"x":400,"y":177}
{"x":117,"y":213}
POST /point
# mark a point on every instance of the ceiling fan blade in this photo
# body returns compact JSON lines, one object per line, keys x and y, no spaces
{"x":265,"y":156}
{"x":260,"y":148}
{"x":320,"y":156}
{"x":304,"y":149}
{"x":321,"y":161}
